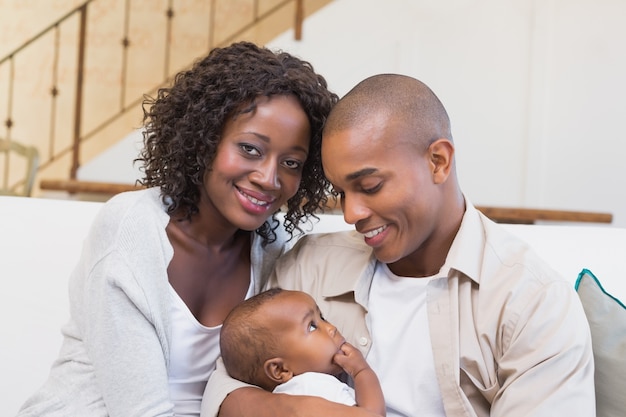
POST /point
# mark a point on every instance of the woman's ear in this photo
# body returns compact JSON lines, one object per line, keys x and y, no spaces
{"x":277,"y":371}
{"x":441,"y":157}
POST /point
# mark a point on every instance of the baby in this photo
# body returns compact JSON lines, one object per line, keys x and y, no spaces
{"x":279,"y":341}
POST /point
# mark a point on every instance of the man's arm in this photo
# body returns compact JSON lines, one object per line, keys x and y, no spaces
{"x":228,"y":397}
{"x":547,"y":367}
{"x":253,"y":402}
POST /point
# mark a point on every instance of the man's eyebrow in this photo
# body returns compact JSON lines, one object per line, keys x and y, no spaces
{"x":361,"y":173}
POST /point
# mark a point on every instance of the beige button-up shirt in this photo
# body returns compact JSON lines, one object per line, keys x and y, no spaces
{"x":509,"y":335}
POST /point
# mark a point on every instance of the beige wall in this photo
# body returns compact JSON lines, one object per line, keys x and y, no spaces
{"x":115,"y":78}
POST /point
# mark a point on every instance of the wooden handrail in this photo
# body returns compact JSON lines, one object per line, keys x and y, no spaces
{"x":530,"y":216}
{"x":498,"y":214}
{"x":77,"y":186}
{"x":520,"y":215}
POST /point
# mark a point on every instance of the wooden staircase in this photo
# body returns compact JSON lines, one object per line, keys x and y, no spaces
{"x":101,"y":61}
{"x":76,"y":87}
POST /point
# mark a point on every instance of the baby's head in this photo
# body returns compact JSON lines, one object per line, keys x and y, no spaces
{"x":275,"y":335}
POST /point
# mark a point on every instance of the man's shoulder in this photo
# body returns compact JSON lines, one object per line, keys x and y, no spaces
{"x":327,"y":254}
{"x":517,"y":259}
{"x":322,"y":242}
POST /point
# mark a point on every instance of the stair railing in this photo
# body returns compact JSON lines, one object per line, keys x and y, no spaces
{"x":81,"y":14}
{"x":77,"y":117}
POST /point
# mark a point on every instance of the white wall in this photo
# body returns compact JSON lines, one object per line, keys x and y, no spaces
{"x":534,"y":88}
{"x":102,"y":167}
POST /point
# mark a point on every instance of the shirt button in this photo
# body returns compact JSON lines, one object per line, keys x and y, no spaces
{"x":363,"y":341}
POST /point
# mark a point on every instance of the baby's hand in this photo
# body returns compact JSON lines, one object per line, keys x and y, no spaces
{"x":351,"y":360}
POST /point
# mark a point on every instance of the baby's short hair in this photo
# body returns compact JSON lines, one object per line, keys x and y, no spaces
{"x":246,"y":342}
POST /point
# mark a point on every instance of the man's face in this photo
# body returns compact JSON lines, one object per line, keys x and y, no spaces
{"x":385,"y":180}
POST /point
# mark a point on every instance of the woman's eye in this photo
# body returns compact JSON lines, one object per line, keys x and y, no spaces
{"x":250,"y":150}
{"x":312,"y":327}
{"x":293,"y":164}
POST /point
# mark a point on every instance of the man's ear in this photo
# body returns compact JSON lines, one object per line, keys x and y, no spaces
{"x":277,"y":371}
{"x":441,"y":158}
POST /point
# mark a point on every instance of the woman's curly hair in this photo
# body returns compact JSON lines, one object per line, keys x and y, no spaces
{"x":184,"y":123}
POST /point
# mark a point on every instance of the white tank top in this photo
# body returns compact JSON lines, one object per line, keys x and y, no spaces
{"x":194,"y":349}
{"x":401,"y":353}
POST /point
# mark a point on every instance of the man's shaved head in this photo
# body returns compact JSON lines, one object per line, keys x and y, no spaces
{"x":388,"y":153}
{"x":400,"y":97}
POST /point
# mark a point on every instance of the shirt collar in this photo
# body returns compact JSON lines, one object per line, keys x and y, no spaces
{"x":466,"y":253}
{"x":465,"y":256}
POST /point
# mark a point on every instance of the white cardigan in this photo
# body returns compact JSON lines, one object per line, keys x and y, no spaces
{"x":116,"y":344}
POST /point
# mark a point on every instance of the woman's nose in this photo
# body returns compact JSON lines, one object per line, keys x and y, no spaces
{"x":266,"y":175}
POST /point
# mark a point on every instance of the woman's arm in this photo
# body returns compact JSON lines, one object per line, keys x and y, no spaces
{"x":369,"y":394}
{"x":120,"y":340}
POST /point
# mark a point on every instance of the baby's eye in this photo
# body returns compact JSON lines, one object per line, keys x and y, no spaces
{"x":312,"y":327}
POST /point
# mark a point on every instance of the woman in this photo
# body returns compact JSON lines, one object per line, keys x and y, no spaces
{"x":234,"y":139}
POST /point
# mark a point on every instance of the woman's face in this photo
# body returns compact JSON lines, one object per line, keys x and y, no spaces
{"x":258,"y":163}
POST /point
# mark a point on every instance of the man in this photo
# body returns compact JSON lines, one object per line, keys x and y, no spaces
{"x":456,"y":316}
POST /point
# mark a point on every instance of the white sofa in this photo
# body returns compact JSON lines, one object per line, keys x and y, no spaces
{"x":40,"y":241}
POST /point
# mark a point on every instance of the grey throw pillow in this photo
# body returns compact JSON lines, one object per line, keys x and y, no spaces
{"x":607,"y":320}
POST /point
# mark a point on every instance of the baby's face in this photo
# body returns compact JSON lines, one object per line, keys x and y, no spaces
{"x":309,"y":342}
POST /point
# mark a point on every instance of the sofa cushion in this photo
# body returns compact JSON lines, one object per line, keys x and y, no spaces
{"x":607,"y":320}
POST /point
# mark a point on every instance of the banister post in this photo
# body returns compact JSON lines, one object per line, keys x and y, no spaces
{"x":78,"y":109}
{"x":299,"y":19}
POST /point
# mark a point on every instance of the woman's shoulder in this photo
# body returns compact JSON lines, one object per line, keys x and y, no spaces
{"x":130,"y":213}
{"x":136,"y":205}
